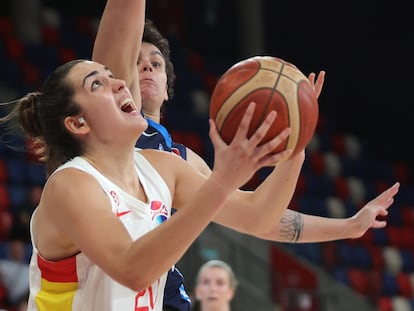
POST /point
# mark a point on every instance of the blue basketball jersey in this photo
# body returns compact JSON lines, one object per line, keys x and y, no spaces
{"x":156,"y":136}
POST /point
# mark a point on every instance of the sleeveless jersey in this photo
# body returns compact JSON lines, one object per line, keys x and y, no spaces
{"x":76,"y":283}
{"x":156,"y":136}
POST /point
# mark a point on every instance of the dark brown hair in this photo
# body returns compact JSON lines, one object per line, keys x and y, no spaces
{"x":41,"y":116}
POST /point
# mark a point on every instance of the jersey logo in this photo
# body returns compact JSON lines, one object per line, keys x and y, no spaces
{"x":115,"y":197}
{"x":176,"y":151}
{"x":159,"y":212}
{"x":119,"y":214}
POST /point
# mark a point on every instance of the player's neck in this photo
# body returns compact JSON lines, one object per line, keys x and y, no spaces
{"x":154,"y":116}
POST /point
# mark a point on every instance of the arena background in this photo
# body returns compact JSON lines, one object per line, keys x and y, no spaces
{"x":365,"y":47}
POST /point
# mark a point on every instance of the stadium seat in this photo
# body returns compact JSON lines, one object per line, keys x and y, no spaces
{"x":3,"y":171}
{"x":17,"y":194}
{"x":6,"y":27}
{"x":6,"y":219}
{"x":341,"y":275}
{"x":407,"y":214}
{"x":4,"y":197}
{"x":353,"y":146}
{"x":405,"y":288}
{"x":401,"y":304}
{"x":36,"y":174}
{"x":392,"y":259}
{"x":358,"y":280}
{"x":407,"y":257}
{"x":377,"y":257}
{"x":17,"y":169}
{"x":394,"y":236}
{"x":385,"y":304}
{"x":389,"y":285}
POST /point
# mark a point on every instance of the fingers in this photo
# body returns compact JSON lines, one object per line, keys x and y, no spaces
{"x":317,"y":86}
{"x":215,"y":137}
{"x":255,"y":141}
{"x":381,"y":204}
{"x":260,"y":133}
{"x":274,"y":158}
{"x":388,"y":195}
{"x":260,"y":153}
{"x":267,"y":149}
{"x":311,"y":78}
{"x":243,"y":128}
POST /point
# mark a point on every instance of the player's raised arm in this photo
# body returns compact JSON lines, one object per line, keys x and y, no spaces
{"x":118,"y":40}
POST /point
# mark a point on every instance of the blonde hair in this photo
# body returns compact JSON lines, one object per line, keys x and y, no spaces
{"x":216,"y":263}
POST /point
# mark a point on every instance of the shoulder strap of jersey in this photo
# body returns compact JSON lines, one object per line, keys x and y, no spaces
{"x":162,"y":130}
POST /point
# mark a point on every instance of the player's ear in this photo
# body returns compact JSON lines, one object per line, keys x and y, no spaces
{"x":76,"y":125}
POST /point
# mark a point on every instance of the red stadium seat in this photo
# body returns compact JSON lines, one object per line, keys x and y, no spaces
{"x":3,"y":171}
{"x":6,"y":220}
{"x":385,"y":304}
{"x":404,"y":284}
{"x":358,"y":281}
{"x":377,"y":257}
{"x":4,"y":197}
{"x":6,"y":26}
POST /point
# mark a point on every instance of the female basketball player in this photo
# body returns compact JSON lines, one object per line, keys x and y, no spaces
{"x":100,"y":239}
{"x":154,"y":63}
{"x":157,"y":78}
{"x":98,"y":214}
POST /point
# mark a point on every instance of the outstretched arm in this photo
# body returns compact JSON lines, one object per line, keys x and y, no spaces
{"x":295,"y":227}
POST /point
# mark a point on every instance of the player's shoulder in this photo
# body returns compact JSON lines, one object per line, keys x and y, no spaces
{"x":166,"y":163}
{"x":159,"y":155}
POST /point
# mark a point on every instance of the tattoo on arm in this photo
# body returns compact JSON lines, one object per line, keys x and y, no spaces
{"x":291,"y":226}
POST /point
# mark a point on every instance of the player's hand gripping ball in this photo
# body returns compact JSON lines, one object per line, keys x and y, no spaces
{"x":273,"y":84}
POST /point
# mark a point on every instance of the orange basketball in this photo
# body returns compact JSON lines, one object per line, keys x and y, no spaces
{"x":273,"y":84}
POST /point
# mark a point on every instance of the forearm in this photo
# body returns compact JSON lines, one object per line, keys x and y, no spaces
{"x":295,"y":227}
{"x":118,"y":39}
{"x":274,"y":195}
{"x":259,"y":211}
{"x":185,"y":226}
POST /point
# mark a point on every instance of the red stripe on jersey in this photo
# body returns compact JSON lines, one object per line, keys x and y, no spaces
{"x":59,"y":271}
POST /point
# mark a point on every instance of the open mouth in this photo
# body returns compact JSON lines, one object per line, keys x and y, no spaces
{"x":127,"y":106}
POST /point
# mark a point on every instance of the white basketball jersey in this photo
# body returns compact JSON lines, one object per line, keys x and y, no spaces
{"x":76,"y":283}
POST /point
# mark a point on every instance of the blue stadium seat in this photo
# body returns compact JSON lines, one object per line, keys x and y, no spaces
{"x":17,"y":194}
{"x":17,"y":170}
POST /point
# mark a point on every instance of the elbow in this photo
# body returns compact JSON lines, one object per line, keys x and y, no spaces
{"x":138,"y":285}
{"x":262,"y":227}
{"x":135,"y":279}
{"x":253,"y":226}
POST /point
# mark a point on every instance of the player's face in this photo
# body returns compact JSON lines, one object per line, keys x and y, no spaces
{"x":214,"y":288}
{"x":152,"y":77}
{"x":106,"y":103}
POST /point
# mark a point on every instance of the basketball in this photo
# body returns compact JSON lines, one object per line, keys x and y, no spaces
{"x":273,"y":84}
